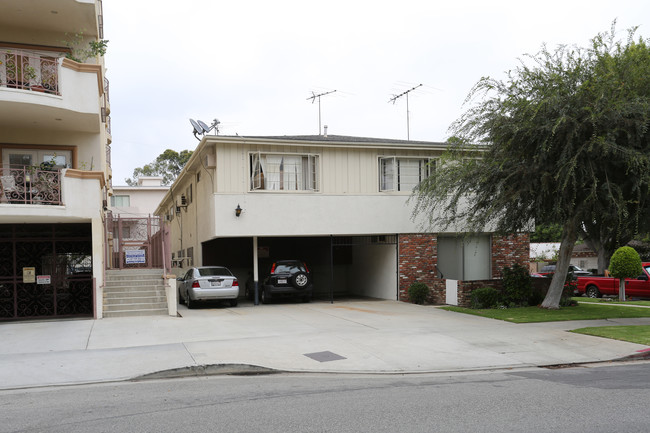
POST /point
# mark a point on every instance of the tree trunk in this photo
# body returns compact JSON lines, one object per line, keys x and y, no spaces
{"x":603,"y":260}
{"x":554,"y":294}
{"x":621,"y":289}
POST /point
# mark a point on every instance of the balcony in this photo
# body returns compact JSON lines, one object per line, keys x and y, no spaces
{"x":30,"y":185}
{"x":20,"y":70}
{"x":40,"y":92}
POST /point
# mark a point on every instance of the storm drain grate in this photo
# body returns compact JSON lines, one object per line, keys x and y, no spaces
{"x":324,"y":356}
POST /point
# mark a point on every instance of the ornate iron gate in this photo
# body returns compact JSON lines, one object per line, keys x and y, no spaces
{"x":45,"y":271}
{"x":137,"y":242}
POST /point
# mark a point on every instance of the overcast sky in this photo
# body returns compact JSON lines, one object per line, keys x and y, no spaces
{"x":253,"y":64}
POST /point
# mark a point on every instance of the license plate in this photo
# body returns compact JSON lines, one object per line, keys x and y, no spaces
{"x":216,"y":283}
{"x":282,"y":281}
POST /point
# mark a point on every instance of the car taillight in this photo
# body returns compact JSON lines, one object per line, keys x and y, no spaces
{"x":273,"y":268}
{"x":196,"y":285}
{"x":235,"y":283}
{"x":306,"y":268}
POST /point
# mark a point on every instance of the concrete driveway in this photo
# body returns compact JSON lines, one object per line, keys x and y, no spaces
{"x":360,"y":336}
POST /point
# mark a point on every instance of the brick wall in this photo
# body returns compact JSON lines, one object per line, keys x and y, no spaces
{"x":418,"y":257}
{"x":508,"y":250}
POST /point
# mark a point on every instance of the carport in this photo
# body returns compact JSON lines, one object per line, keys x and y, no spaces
{"x":341,"y":266}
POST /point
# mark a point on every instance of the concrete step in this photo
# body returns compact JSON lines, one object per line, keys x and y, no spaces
{"x":134,"y":294}
{"x":135,"y":313}
{"x":140,"y":306}
{"x":133,"y":283}
{"x":110,"y":301}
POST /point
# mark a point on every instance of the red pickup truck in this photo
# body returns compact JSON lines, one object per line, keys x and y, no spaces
{"x":595,"y":287}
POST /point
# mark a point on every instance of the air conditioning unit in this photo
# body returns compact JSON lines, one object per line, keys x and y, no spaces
{"x":210,"y":161}
{"x":183,"y":200}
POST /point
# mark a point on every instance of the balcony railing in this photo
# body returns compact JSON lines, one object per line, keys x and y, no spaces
{"x":30,"y":185}
{"x":29,"y":71}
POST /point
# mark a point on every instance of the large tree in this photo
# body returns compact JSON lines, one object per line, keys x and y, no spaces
{"x":562,"y":140}
{"x":168,"y":165}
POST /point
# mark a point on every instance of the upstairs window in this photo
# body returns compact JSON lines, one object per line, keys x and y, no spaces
{"x":120,"y":201}
{"x":284,"y":172}
{"x":403,"y":174}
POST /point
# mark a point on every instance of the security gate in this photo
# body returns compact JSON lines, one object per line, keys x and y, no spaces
{"x":137,"y":243}
{"x":45,"y":271}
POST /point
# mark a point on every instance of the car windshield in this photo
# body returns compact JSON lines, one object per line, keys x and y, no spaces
{"x":217,"y":270}
{"x":282,"y":268}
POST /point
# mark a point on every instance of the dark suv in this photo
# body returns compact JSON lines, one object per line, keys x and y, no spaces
{"x":287,"y":278}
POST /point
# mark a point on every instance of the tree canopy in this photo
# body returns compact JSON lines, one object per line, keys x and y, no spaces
{"x":168,"y":165}
{"x":563,"y":139}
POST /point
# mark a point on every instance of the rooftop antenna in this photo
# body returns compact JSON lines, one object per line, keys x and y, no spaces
{"x":395,"y":97}
{"x":313,"y":98}
{"x":202,"y":128}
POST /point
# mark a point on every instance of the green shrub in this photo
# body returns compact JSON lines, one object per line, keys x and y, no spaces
{"x":517,"y":287}
{"x":485,"y":297}
{"x":625,"y":263}
{"x":418,"y":292}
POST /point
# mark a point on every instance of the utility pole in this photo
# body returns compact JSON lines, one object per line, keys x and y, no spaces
{"x":313,"y":98}
{"x":395,"y":97}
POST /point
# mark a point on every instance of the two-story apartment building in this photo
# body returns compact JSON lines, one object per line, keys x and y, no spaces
{"x":339,"y":203}
{"x":55,"y":158}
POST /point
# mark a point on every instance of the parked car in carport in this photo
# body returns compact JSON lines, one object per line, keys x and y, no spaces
{"x":286,"y":278}
{"x":208,"y":283}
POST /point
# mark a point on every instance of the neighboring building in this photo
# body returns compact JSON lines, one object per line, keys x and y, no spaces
{"x":55,"y":155}
{"x":339,"y":203}
{"x":140,"y":200}
{"x":543,"y":253}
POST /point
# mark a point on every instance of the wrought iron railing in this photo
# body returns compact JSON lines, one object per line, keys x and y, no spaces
{"x":29,"y":71}
{"x":30,"y":185}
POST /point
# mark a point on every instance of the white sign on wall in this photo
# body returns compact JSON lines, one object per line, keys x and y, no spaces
{"x":135,"y":256}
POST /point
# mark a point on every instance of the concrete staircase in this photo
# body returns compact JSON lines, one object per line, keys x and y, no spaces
{"x":134,"y":292}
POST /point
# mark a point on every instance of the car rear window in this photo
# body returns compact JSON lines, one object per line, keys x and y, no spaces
{"x":217,"y":270}
{"x":282,"y":268}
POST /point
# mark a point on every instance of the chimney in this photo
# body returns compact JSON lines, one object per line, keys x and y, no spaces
{"x":324,"y":130}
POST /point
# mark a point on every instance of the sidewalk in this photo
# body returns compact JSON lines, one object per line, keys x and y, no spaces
{"x":367,"y":336}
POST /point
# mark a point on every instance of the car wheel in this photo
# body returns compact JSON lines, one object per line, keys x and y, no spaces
{"x":593,"y":292}
{"x":265,"y":298}
{"x":233,"y":302}
{"x":181,"y":300}
{"x":300,"y":280}
{"x":189,"y":302}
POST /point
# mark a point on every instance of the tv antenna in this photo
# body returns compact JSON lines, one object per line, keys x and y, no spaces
{"x":395,"y":97}
{"x":313,"y":98}
{"x":202,"y":128}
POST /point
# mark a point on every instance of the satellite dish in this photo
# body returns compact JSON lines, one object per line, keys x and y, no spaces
{"x":201,"y":127}
{"x":197,"y":128}
{"x":205,"y":127}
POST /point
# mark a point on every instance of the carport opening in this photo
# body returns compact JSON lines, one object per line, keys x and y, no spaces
{"x":341,"y":267}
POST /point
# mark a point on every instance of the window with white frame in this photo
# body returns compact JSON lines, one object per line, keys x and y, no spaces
{"x":403,"y":174}
{"x":120,"y":201}
{"x":284,"y":172}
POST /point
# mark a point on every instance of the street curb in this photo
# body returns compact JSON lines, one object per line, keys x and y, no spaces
{"x":210,"y":370}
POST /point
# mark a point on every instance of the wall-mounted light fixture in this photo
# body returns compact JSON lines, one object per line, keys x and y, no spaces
{"x":238,"y":210}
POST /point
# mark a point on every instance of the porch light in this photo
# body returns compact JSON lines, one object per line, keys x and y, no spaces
{"x":238,"y":210}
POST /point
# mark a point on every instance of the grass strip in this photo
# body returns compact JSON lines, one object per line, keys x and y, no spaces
{"x":536,"y":314}
{"x":609,"y":301}
{"x":634,"y":334}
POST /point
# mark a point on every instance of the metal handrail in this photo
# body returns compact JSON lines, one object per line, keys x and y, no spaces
{"x":29,"y":71}
{"x":30,"y":185}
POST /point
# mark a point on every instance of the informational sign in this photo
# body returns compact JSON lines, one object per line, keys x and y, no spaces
{"x":135,"y":256}
{"x":29,"y":275}
{"x":43,"y":279}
